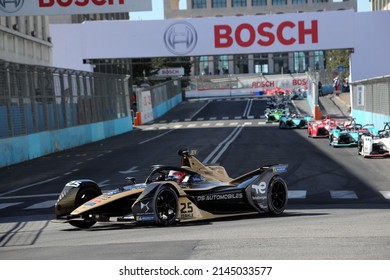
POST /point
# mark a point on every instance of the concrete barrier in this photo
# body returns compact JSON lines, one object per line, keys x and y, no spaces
{"x":18,"y":149}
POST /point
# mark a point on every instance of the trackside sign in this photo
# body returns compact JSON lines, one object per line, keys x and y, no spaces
{"x":63,"y":7}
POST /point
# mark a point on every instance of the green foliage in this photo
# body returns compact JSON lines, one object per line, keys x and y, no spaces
{"x":336,"y":58}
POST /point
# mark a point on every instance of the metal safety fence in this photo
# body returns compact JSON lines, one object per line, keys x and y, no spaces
{"x":36,"y":98}
{"x":372,"y":95}
{"x":165,"y":91}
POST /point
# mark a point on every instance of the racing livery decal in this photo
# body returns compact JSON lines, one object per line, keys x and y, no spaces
{"x":226,"y":196}
{"x":163,"y":200}
{"x":186,"y":209}
{"x":145,"y":206}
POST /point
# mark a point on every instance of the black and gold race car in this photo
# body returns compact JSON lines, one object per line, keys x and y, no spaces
{"x":190,"y":192}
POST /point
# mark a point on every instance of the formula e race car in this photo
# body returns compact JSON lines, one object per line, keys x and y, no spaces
{"x":277,"y":102}
{"x":370,"y":145}
{"x":274,"y":115}
{"x":321,"y":128}
{"x":170,"y":194}
{"x":345,"y":134}
{"x":294,"y":121}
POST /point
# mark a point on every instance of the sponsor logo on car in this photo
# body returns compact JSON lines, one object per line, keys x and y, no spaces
{"x":260,"y":188}
{"x":226,"y":196}
{"x":93,"y":202}
{"x":141,"y":218}
{"x":280,"y":169}
{"x":145,"y":206}
{"x":73,"y":184}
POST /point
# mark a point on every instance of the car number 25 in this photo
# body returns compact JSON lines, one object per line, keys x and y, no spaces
{"x":186,"y":209}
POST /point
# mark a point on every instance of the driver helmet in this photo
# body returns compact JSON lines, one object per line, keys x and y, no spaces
{"x":177,"y":176}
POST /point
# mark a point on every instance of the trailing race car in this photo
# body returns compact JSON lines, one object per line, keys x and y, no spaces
{"x":294,"y":121}
{"x":170,"y":194}
{"x":274,"y":115}
{"x":277,"y":102}
{"x":321,"y":128}
{"x":345,"y":135}
{"x":370,"y":145}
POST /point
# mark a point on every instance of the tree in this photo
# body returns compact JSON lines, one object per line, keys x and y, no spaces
{"x":337,"y":58}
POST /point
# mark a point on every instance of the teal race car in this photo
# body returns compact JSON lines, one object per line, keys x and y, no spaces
{"x":294,"y":121}
{"x":348,"y":135}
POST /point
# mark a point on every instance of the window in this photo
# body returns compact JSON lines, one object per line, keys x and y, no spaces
{"x":201,"y":65}
{"x":301,"y":61}
{"x":238,"y":3}
{"x":279,"y":2}
{"x":241,"y":64}
{"x":319,"y":60}
{"x":260,"y":63}
{"x":281,"y":63}
{"x":320,"y":1}
{"x":221,"y":65}
{"x":218,"y":4}
{"x":199,"y":4}
{"x":259,"y":2}
{"x":299,"y":2}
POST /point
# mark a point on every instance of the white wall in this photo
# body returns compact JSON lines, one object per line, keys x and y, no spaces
{"x":371,"y":35}
{"x":67,"y":50}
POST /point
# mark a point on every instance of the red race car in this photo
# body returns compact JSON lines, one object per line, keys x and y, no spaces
{"x":321,"y":128}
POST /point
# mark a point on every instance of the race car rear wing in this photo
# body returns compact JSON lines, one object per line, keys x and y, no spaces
{"x":274,"y":168}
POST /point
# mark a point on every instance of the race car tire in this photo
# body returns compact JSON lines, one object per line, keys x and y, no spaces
{"x":277,"y":196}
{"x":359,"y":147}
{"x":166,"y":206}
{"x":331,"y":141}
{"x":84,"y":194}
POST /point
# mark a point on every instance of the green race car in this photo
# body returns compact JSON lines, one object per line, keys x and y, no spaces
{"x":274,"y":115}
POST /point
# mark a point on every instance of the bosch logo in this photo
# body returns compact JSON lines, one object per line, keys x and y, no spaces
{"x":11,"y":6}
{"x":266,"y":34}
{"x":180,"y":38}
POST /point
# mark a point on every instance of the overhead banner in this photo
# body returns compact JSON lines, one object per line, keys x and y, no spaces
{"x":365,"y":34}
{"x":71,"y":7}
{"x":211,"y":36}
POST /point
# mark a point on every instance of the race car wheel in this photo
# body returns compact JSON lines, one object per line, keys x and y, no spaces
{"x":166,"y":206}
{"x":277,"y":196}
{"x":360,"y":146}
{"x":84,"y":194}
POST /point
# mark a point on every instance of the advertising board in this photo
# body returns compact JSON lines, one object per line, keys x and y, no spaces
{"x":66,"y":7}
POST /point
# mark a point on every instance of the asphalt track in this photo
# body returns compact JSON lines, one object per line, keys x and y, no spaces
{"x":338,"y":206}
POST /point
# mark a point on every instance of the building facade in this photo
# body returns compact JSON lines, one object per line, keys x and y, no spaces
{"x":26,"y":40}
{"x":380,"y":5}
{"x":267,"y":63}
